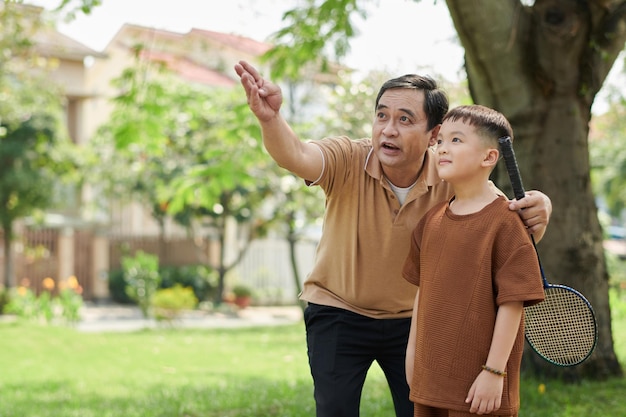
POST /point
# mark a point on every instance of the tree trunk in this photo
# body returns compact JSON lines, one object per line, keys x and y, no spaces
{"x":9,"y":279}
{"x":542,"y":66}
{"x":292,"y":240}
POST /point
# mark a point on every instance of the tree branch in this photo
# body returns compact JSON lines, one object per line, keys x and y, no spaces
{"x":607,"y":41}
{"x":494,"y":71}
{"x":611,"y":30}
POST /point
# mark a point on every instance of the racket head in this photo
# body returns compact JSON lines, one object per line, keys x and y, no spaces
{"x":562,"y":328}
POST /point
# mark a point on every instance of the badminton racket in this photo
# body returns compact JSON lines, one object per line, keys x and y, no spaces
{"x":562,"y":328}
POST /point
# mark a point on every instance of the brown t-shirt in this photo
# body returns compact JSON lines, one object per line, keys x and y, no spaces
{"x":367,"y":232}
{"x":466,"y":266}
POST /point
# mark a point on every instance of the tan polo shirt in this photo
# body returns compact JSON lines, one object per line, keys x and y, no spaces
{"x":366,"y":234}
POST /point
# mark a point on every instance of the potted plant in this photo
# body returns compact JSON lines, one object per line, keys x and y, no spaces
{"x":243,"y":295}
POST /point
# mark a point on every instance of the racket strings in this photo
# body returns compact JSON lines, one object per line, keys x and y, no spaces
{"x":561,"y":328}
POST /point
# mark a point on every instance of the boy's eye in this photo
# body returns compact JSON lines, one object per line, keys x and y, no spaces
{"x":456,"y":140}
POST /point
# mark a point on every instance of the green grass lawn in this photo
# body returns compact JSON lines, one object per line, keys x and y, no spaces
{"x":50,"y":371}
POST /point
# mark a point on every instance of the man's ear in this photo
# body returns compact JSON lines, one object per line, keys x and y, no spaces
{"x":433,"y":135}
{"x":491,"y":157}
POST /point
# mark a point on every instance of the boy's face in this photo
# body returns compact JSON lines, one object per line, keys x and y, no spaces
{"x":460,"y":154}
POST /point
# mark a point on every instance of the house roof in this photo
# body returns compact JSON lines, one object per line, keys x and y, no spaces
{"x":46,"y":40}
{"x":197,"y":55}
{"x":240,"y":43}
{"x":188,"y":69}
{"x":50,"y":42}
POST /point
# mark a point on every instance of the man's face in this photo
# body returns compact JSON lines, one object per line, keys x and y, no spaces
{"x":400,"y":136}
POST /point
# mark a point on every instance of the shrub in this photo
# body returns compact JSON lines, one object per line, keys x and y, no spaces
{"x":4,"y":298}
{"x":141,"y":274}
{"x":241,"y":290}
{"x":46,"y":307}
{"x":169,"y":303}
{"x":117,"y":287}
{"x":242,"y":295}
{"x":201,"y":278}
{"x":24,"y":303}
{"x":70,"y":299}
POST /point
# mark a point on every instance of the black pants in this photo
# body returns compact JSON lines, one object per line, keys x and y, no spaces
{"x":342,"y":346}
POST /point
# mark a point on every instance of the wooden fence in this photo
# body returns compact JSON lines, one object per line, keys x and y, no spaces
{"x":265,"y":267}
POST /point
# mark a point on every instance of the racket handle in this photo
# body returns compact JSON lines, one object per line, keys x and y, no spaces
{"x":506,"y":147}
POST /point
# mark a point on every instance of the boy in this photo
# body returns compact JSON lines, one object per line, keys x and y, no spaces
{"x":476,"y":269}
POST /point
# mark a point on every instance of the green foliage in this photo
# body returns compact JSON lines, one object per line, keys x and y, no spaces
{"x":183,"y":134}
{"x":4,"y":298}
{"x":44,"y":306}
{"x":117,"y":287}
{"x":616,"y":268}
{"x":201,"y":278}
{"x":47,"y":308}
{"x":351,"y":106}
{"x":319,"y":32}
{"x":169,"y":303}
{"x":72,"y":8}
{"x":608,"y":156}
{"x":17,"y":26}
{"x":191,"y":153}
{"x":141,"y":273}
{"x":35,"y":150}
{"x":241,"y":290}
{"x":71,"y":302}
{"x":23,"y":303}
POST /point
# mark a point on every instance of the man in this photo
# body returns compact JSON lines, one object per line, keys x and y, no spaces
{"x":376,"y":190}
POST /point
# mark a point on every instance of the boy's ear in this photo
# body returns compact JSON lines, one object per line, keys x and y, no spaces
{"x":491,"y":157}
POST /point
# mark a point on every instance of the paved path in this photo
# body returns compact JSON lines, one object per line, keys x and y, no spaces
{"x":99,"y":318}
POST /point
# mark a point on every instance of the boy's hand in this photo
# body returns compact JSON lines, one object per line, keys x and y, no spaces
{"x":485,"y":394}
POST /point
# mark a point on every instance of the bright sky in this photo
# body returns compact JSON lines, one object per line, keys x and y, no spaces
{"x":400,"y":36}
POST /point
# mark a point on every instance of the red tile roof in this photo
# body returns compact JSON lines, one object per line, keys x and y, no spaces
{"x":187,"y":69}
{"x":238,"y":42}
{"x":173,"y":50}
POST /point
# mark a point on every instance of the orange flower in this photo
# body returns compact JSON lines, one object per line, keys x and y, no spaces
{"x":22,"y":291}
{"x":72,"y":282}
{"x":48,"y":283}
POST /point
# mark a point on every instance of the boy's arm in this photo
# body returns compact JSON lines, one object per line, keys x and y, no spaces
{"x":485,"y":394}
{"x":410,"y":347}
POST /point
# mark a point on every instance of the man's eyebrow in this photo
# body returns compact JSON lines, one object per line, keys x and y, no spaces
{"x":407,"y":111}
